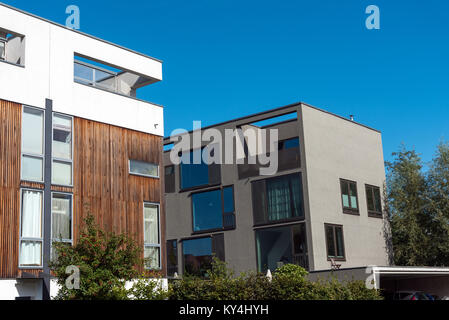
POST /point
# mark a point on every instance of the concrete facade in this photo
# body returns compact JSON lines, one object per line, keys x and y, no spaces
{"x":331,"y":147}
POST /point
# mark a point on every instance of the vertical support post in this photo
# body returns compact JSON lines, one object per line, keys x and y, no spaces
{"x":47,"y":197}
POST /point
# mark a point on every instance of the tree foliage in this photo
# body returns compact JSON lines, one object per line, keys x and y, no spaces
{"x":418,"y":208}
{"x":106,"y":262}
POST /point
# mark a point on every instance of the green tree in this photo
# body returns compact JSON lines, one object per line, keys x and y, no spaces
{"x":438,"y":193}
{"x":105,"y":260}
{"x":408,"y":206}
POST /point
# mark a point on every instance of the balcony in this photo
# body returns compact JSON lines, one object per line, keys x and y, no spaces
{"x":106,"y":77}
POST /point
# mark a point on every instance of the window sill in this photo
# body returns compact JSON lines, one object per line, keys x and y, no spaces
{"x":13,"y":64}
{"x":373,"y":214}
{"x":278,"y":222}
{"x":204,"y":186}
{"x":354,"y":212}
{"x":194,"y":233}
{"x":337,"y":259}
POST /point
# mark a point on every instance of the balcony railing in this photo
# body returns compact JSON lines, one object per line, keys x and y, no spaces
{"x":96,"y":77}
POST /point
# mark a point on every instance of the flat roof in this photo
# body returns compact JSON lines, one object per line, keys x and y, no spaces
{"x":274,"y":110}
{"x":77,"y":31}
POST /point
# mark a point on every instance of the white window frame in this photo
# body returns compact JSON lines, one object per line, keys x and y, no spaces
{"x":31,"y":155}
{"x":41,"y":240}
{"x":153,"y":245}
{"x":64,"y":161}
{"x":144,"y":175}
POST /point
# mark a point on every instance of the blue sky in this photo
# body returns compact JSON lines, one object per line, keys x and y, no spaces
{"x":226,"y":59}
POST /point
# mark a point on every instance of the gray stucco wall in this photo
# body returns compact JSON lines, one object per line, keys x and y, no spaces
{"x":337,"y":148}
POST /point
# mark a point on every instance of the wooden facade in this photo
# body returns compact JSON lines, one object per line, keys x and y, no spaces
{"x":102,"y":184}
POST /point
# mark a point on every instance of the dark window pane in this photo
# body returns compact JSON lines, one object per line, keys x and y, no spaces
{"x":169,"y":179}
{"x":279,"y":201}
{"x":370,"y":198}
{"x":340,"y":246}
{"x":193,"y":174}
{"x":259,"y":201}
{"x":377,"y":200}
{"x":330,"y":241}
{"x":353,"y":195}
{"x":228,"y":199}
{"x":207,"y":211}
{"x":345,"y":193}
{"x":299,"y":239}
{"x":291,"y":143}
{"x":274,"y":248}
{"x":197,"y":256}
{"x":218,"y":246}
{"x":296,"y":190}
{"x":172,"y":257}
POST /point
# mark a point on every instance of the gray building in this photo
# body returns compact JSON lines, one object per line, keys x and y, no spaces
{"x":322,"y":208}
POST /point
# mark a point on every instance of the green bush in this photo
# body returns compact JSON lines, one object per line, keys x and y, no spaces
{"x":288,"y":283}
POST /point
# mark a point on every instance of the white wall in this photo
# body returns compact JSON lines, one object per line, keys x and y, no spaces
{"x":10,"y":289}
{"x":48,"y":73}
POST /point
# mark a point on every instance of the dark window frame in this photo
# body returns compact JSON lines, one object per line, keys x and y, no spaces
{"x":213,"y":247}
{"x":202,"y":186}
{"x":268,"y":223}
{"x":291,"y":226}
{"x":223,"y":213}
{"x":334,"y":226}
{"x":349,"y":210}
{"x":175,"y":267}
{"x":373,"y":213}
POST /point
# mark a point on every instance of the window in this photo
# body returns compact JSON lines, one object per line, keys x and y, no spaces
{"x":278,"y":199}
{"x":2,"y":49}
{"x":152,"y":244}
{"x":31,"y":228}
{"x":289,"y":144}
{"x":172,"y":257}
{"x":32,"y":144}
{"x":213,"y":209}
{"x":169,"y":179}
{"x":334,"y":242}
{"x":62,"y":150}
{"x":197,"y":254}
{"x":279,"y":246}
{"x":61,"y":219}
{"x":12,"y":47}
{"x":349,"y":196}
{"x":102,"y":75}
{"x":373,"y":200}
{"x":145,"y":169}
{"x":195,"y":172}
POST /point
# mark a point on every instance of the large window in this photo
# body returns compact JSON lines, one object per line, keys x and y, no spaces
{"x":213,"y":209}
{"x":141,"y":168}
{"x":61,"y":218}
{"x":349,"y":196}
{"x":62,"y":150}
{"x":197,"y":254}
{"x":374,"y":201}
{"x":172,"y":257}
{"x":32,"y":144}
{"x":278,"y":199}
{"x":334,"y":242}
{"x":195,"y":172}
{"x":152,"y":244}
{"x":279,"y":246}
{"x":31,"y":228}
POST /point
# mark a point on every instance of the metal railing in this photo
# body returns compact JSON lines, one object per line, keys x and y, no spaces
{"x":87,"y":74}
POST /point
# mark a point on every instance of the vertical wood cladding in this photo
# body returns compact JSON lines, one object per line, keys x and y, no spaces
{"x":10,"y":140}
{"x":102,"y":183}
